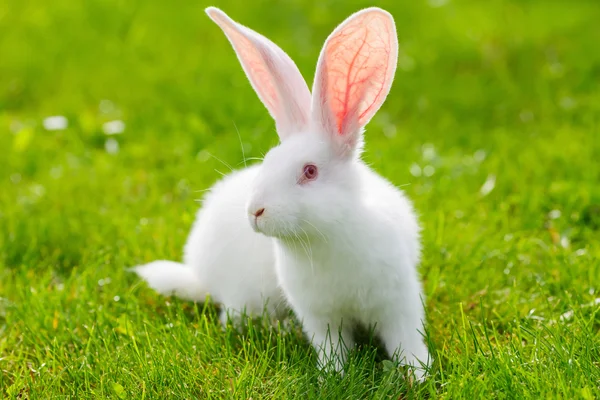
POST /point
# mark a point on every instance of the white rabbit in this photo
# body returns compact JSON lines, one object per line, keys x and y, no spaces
{"x":346,"y":241}
{"x":223,"y":257}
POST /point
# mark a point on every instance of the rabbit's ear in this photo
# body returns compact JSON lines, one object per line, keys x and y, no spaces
{"x":272,"y":73}
{"x":354,"y":75}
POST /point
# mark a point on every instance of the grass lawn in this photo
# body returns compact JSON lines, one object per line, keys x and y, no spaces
{"x":492,"y":129}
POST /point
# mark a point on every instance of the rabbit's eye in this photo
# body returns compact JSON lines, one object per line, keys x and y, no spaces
{"x":310,"y":172}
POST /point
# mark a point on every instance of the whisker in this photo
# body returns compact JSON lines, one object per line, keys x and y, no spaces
{"x":288,"y":231}
{"x":202,"y":190}
{"x":221,"y":161}
{"x":252,"y":159}
{"x":305,"y":246}
{"x":221,"y":173}
{"x":308,"y":248}
{"x":241,"y":143}
{"x":317,"y":229}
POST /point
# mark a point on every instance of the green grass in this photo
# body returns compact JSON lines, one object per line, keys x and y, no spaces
{"x":504,"y":92}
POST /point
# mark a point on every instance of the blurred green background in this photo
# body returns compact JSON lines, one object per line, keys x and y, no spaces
{"x":491,"y":128}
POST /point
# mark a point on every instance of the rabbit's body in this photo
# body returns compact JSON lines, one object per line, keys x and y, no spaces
{"x":234,"y":263}
{"x":340,"y":239}
{"x":347,"y":242}
{"x":223,"y":257}
{"x":340,"y":282}
{"x":347,"y":246}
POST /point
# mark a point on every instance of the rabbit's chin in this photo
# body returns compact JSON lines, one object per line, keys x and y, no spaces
{"x":276,"y":229}
{"x":270,"y":231}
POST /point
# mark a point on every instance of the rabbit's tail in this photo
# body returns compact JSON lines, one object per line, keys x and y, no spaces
{"x":172,"y":278}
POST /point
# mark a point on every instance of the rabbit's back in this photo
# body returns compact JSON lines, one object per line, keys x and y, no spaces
{"x":235,"y":264}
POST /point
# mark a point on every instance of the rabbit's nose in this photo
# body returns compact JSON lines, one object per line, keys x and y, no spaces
{"x":259,"y":212}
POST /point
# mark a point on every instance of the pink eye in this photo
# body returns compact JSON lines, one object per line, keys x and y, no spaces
{"x":310,"y":172}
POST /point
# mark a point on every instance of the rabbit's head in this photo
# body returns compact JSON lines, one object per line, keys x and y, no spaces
{"x":312,"y":179}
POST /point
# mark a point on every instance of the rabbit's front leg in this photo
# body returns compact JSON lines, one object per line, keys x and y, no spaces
{"x":404,"y":340}
{"x":331,"y":339}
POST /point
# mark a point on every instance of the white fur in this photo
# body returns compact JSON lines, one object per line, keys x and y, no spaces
{"x":347,"y":243}
{"x":347,"y":248}
{"x":344,"y":247}
{"x":223,"y":257}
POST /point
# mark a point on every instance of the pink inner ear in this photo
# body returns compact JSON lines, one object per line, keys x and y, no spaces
{"x":272,"y":73}
{"x":359,"y":63}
